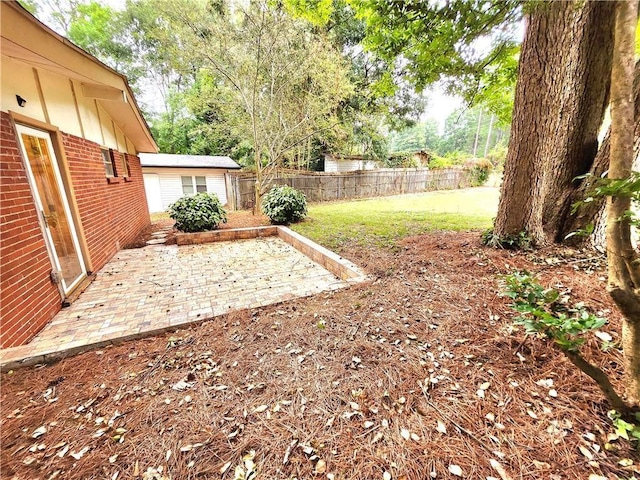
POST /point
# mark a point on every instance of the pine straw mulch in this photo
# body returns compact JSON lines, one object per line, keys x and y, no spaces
{"x":410,"y":376}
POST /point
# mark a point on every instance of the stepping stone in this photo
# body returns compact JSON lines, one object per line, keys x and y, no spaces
{"x":159,"y":234}
{"x":156,"y":241}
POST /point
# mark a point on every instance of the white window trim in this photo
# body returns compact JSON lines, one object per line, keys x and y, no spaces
{"x":194,"y":186}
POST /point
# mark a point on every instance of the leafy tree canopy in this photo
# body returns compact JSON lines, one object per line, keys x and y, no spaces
{"x":470,"y":45}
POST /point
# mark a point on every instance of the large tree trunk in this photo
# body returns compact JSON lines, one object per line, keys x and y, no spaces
{"x":561,"y":97}
{"x":591,"y":212}
{"x":622,"y":258}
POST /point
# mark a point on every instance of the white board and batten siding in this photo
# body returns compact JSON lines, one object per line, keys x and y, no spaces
{"x":163,"y":186}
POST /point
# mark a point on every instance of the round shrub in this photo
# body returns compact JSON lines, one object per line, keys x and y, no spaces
{"x":437,"y":163}
{"x":198,"y":213}
{"x":480,"y":171}
{"x":284,"y":205}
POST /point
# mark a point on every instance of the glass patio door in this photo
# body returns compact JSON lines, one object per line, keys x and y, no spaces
{"x":50,"y":197}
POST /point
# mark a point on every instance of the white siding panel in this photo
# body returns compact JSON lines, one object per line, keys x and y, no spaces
{"x":88,"y":116}
{"x":61,"y":107}
{"x":330,"y":165}
{"x":152,"y":190}
{"x":18,"y":79}
{"x":170,"y":188}
{"x":216,"y":184}
{"x":349,"y":165}
{"x":171,"y":183}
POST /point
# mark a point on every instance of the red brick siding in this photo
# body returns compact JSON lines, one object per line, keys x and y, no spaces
{"x":112,"y":215}
{"x":28,"y":298}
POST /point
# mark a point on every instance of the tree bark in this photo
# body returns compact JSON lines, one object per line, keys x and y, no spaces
{"x":622,"y":259}
{"x":561,"y":97}
{"x":601,"y":378}
{"x":591,"y":212}
{"x":257,"y":206}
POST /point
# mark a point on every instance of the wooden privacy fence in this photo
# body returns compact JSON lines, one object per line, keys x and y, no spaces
{"x":319,"y":186}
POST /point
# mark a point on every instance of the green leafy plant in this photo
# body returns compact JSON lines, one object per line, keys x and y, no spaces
{"x":437,"y":163}
{"x":497,"y":155}
{"x":401,"y":160}
{"x":546,"y":312}
{"x":518,"y":241}
{"x":623,"y":429}
{"x":284,"y":205}
{"x":480,"y":170}
{"x":549,"y":313}
{"x":198,"y":213}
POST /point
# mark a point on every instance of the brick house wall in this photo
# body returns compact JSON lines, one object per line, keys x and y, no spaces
{"x":112,"y":214}
{"x":28,"y":298}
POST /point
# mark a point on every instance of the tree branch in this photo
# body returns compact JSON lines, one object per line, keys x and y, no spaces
{"x":601,"y":378}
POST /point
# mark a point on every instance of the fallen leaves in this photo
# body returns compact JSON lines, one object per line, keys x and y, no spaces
{"x":80,"y":453}
{"x":260,"y":409}
{"x":38,"y":432}
{"x":247,"y":469}
{"x":355,"y":417}
{"x":455,"y":470}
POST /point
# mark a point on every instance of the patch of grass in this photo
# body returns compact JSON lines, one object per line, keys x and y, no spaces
{"x":382,"y":221}
{"x":155,"y":217}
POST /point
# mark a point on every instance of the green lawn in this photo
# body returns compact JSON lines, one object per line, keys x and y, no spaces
{"x":383,"y":220}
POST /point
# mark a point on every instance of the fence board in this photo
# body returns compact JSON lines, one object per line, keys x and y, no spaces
{"x":320,"y":186}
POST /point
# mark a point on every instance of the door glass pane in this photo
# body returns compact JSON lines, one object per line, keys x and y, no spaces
{"x":57,"y":223}
{"x":201,"y":184}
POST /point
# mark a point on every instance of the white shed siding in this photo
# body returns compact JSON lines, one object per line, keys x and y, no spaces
{"x":217,"y":185}
{"x":171,"y":183}
{"x":330,"y":165}
{"x":170,"y":189}
{"x":343,"y":165}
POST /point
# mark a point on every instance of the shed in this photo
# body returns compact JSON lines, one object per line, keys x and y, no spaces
{"x":167,"y":177}
{"x":347,"y":163}
{"x":72,"y":186}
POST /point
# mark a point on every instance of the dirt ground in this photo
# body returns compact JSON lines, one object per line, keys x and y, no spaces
{"x":415,"y":374}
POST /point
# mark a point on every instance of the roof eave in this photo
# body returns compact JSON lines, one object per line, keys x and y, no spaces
{"x":151,"y":146}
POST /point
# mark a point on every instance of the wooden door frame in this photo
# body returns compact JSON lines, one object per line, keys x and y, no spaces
{"x":65,"y":174}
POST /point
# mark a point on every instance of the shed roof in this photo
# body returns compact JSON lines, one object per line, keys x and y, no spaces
{"x":169,"y":160}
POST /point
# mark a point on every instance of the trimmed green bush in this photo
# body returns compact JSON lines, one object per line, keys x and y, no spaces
{"x":480,"y":170}
{"x":284,"y":205}
{"x":437,"y":163}
{"x":198,"y":213}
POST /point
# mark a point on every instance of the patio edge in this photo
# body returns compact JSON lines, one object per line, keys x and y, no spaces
{"x":339,"y":266}
{"x":345,"y":270}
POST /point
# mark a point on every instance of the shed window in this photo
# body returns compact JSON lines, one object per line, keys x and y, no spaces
{"x":107,"y":160}
{"x":195,"y":184}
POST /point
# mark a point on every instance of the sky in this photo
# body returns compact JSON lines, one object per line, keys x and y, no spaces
{"x":440,"y":106}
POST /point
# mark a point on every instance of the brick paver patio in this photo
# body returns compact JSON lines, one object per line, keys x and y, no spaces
{"x":157,"y":287}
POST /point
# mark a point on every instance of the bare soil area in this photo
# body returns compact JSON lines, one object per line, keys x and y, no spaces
{"x":417,"y":374}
